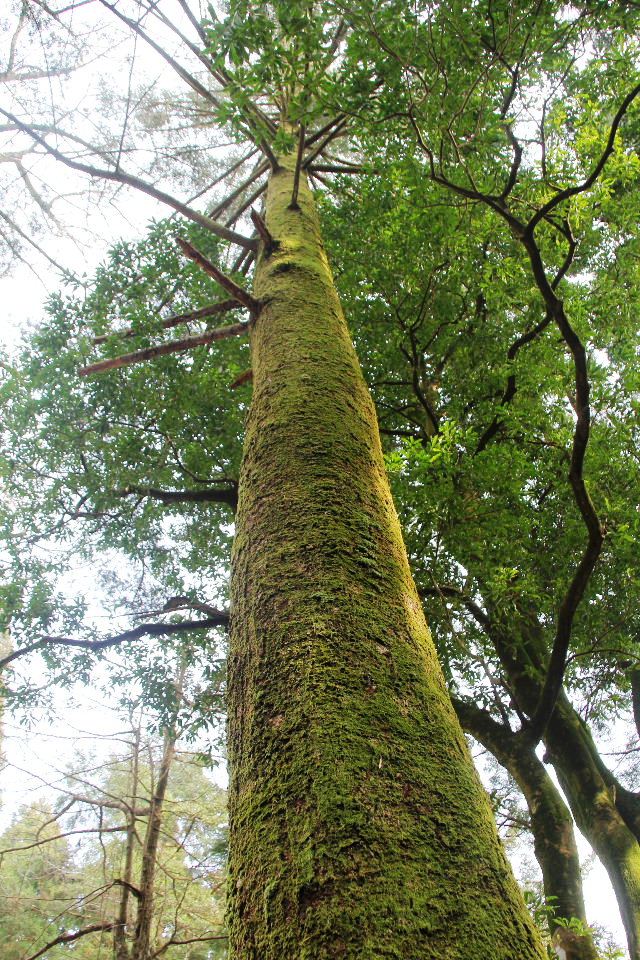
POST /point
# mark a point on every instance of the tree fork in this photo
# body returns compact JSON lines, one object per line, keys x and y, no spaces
{"x":359,"y":828}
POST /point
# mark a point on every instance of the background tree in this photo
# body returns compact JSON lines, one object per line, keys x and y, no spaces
{"x":127,"y":857}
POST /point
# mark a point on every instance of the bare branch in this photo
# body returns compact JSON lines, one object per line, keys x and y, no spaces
{"x":70,"y":937}
{"x":118,"y":176}
{"x":241,"y":295}
{"x":293,"y":205}
{"x":210,"y":495}
{"x":228,"y":200}
{"x":175,"y":346}
{"x":335,"y":128}
{"x":250,"y":200}
{"x":216,"y":308}
{"x":334,"y":168}
{"x":263,"y":232}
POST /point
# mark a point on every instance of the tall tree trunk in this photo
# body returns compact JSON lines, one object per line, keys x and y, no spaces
{"x":358,"y":826}
{"x":551,"y":821}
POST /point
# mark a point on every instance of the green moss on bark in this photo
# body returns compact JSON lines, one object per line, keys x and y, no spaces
{"x":358,"y":825}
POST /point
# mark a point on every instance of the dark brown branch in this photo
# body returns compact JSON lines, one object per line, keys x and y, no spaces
{"x":333,"y":168}
{"x":511,"y":387}
{"x":195,"y":23}
{"x":250,"y":200}
{"x":240,"y":261}
{"x":70,"y":937}
{"x":175,"y":346}
{"x":567,"y":233}
{"x":228,"y":495}
{"x":535,"y":728}
{"x":557,"y":660}
{"x":269,"y":154}
{"x":143,"y":630}
{"x":180,"y":70}
{"x":246,"y":266}
{"x":323,"y":130}
{"x":515,"y":166}
{"x":245,"y":377}
{"x":455,"y":593}
{"x":536,"y":725}
{"x":326,"y":140}
{"x":216,"y":308}
{"x":127,"y":886}
{"x":228,"y":200}
{"x":563,"y":195}
{"x":635,"y":697}
{"x":293,"y":205}
{"x":261,"y":228}
{"x":117,"y":176}
{"x":252,"y":113}
{"x":241,"y":295}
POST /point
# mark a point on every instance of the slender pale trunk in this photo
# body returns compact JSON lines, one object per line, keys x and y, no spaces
{"x":141,"y":948}
{"x":120,"y":948}
{"x":592,"y":794}
{"x":359,"y":828}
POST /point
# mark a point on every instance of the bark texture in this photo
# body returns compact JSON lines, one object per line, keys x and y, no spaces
{"x":359,"y":828}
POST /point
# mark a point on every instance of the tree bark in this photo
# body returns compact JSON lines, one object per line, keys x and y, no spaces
{"x":358,"y":826}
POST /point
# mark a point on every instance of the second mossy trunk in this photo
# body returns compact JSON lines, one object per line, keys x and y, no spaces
{"x":359,"y":828}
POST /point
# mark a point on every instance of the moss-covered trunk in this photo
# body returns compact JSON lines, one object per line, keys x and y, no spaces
{"x":359,"y":828}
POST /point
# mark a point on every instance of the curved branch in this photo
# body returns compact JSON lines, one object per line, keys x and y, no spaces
{"x":511,"y":387}
{"x":563,"y":195}
{"x":221,"y":619}
{"x":70,"y":937}
{"x":117,"y":176}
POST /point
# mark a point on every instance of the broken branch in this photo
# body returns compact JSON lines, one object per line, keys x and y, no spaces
{"x":263,"y":231}
{"x":241,"y":295}
{"x":175,"y":346}
{"x":222,"y":307}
